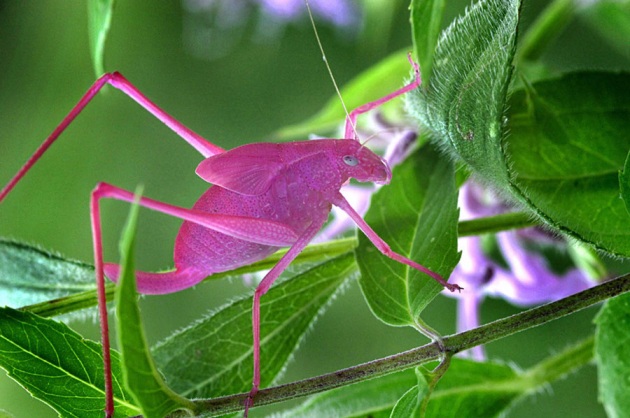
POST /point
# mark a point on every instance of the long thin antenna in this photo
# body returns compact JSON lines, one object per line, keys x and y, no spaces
{"x":330,"y":73}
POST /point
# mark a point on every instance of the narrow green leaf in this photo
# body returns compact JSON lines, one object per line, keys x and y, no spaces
{"x":372,"y":398}
{"x":417,"y":216}
{"x":141,"y":376}
{"x":58,"y":366}
{"x":568,"y":140}
{"x":612,"y":354}
{"x":612,"y":19}
{"x":464,"y":101}
{"x":374,"y":83}
{"x":624,"y":183}
{"x":213,"y":356}
{"x":546,"y":28}
{"x":426,"y":22}
{"x":29,"y":275}
{"x":99,"y":21}
{"x":409,"y":405}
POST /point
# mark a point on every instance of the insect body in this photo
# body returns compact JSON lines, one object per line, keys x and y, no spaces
{"x":269,"y":195}
{"x":264,"y":196}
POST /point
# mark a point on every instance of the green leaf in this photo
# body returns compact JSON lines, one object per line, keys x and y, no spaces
{"x":372,"y":398}
{"x":141,"y":376}
{"x":426,"y":22}
{"x":472,"y":389}
{"x":58,"y":366}
{"x":612,"y":354}
{"x":568,"y":140}
{"x":99,"y":21}
{"x":624,"y":183}
{"x":213,"y":356}
{"x":29,"y":275}
{"x":464,"y":101}
{"x":417,"y":216}
{"x":374,"y":83}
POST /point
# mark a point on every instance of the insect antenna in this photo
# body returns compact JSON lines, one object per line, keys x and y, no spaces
{"x":330,"y":73}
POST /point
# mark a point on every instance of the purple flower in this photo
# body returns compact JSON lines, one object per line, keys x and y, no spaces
{"x":521,"y":275}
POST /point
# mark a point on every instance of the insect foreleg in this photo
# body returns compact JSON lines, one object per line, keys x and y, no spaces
{"x":351,"y":120}
{"x":383,"y":247}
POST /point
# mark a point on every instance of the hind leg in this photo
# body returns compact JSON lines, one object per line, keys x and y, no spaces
{"x":259,"y":231}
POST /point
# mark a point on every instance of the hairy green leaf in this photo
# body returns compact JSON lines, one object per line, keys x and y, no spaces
{"x":417,"y":216}
{"x":29,"y":275}
{"x":99,"y":22}
{"x":464,"y":101}
{"x":612,"y":354}
{"x":141,"y":376}
{"x":213,"y":356}
{"x":567,"y":137}
{"x":58,"y":366}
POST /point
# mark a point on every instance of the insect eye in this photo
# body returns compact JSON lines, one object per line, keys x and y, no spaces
{"x":350,"y":160}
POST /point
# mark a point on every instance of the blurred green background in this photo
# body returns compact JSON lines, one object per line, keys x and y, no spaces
{"x":242,"y":97}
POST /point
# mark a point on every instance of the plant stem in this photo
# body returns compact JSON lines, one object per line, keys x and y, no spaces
{"x":497,"y":223}
{"x":493,"y":331}
{"x":546,"y":28}
{"x":311,"y":253}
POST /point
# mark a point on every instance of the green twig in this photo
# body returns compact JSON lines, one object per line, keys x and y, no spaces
{"x":497,"y":223}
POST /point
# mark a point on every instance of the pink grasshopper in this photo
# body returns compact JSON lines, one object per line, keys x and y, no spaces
{"x":265,"y":196}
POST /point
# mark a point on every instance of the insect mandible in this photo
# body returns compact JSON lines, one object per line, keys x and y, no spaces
{"x":265,"y":196}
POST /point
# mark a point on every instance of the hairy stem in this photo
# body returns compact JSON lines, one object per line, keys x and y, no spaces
{"x":548,"y":370}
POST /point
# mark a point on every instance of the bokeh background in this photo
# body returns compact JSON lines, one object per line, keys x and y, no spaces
{"x":256,"y":86}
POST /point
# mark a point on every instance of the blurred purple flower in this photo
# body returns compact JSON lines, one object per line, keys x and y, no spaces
{"x":212,"y":28}
{"x":525,"y":276}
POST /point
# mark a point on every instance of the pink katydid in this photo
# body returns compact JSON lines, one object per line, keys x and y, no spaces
{"x":265,"y":196}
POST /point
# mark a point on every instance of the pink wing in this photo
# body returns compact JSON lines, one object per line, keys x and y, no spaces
{"x":249,"y":169}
